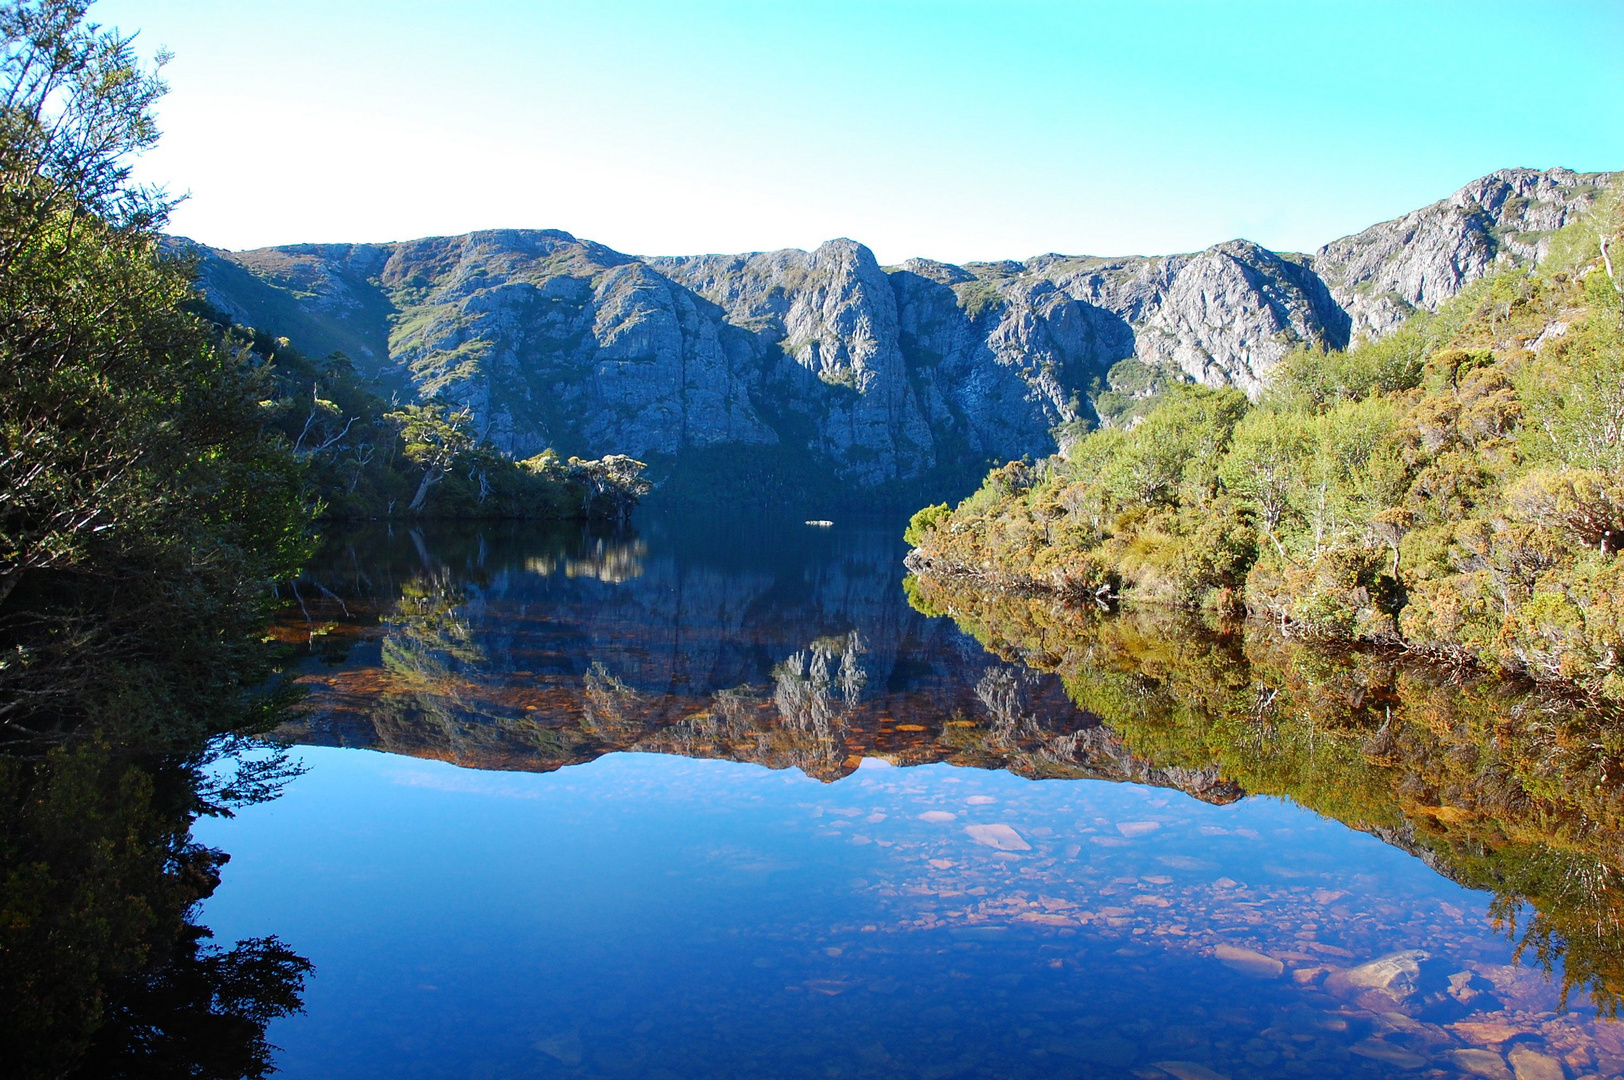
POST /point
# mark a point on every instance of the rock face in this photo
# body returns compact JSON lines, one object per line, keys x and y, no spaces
{"x":1384,"y":274}
{"x":866,"y":374}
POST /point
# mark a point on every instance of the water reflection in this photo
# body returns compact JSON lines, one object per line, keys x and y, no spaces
{"x":106,"y":969}
{"x":935,"y":921}
{"x":484,"y":651}
{"x":1492,"y":784}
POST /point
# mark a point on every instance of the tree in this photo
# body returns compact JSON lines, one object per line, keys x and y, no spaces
{"x":1264,"y":468}
{"x":433,"y":437}
{"x":76,"y":105}
{"x":1584,"y":507}
{"x":144,"y":510}
{"x":614,"y":479}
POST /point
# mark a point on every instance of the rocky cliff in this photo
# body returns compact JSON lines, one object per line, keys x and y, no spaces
{"x":1383,"y":275}
{"x":865,"y":375}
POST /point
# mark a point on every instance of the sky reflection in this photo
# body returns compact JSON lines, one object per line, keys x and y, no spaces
{"x":644,"y":913}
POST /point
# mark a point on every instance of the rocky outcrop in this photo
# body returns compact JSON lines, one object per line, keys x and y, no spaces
{"x":1383,"y":275}
{"x":1223,"y":316}
{"x":868,"y":375}
{"x":832,"y":314}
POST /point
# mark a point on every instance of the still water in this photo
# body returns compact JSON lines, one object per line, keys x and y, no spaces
{"x":714,"y":801}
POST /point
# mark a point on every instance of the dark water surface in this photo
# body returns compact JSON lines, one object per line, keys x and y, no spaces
{"x":715,"y":801}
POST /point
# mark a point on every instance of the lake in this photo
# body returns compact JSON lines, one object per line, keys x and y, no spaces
{"x":713,"y":799}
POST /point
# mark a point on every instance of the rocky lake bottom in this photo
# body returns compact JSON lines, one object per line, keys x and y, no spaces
{"x":715,"y":801}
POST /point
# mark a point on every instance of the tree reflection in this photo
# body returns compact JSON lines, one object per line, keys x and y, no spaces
{"x":104,"y":971}
{"x":1492,"y":784}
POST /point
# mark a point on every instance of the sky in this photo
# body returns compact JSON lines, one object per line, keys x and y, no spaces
{"x":952,"y":130}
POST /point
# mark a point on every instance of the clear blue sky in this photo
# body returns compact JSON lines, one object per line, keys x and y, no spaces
{"x":956,"y":130}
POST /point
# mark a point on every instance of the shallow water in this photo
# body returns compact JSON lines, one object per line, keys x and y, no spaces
{"x":758,"y":817}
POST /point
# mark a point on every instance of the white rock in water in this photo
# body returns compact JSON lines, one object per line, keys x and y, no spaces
{"x":1484,"y":1063}
{"x":1394,"y":974}
{"x":1001,"y":837}
{"x":566,"y":1048}
{"x":1250,"y":961}
{"x":1530,"y":1064}
{"x":1189,"y":1070}
{"x":1377,"y":1050}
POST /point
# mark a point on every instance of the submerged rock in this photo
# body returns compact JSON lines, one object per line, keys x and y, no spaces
{"x":1388,"y":1054}
{"x":1250,"y":962}
{"x":1529,"y":1064}
{"x":1484,"y":1063}
{"x":1189,"y":1070}
{"x":1396,"y":975}
{"x":565,"y":1048}
{"x":1001,"y":837}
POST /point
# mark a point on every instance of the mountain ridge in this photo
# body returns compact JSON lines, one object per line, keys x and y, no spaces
{"x":861,"y":374}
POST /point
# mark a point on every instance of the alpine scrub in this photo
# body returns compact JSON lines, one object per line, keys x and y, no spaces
{"x":1456,"y":488}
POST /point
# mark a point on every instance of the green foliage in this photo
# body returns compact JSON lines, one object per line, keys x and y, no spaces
{"x":1453,"y":486}
{"x":1133,"y":389}
{"x":978,"y":298}
{"x":1121,"y":510}
{"x":363,"y":459}
{"x":146,"y":509}
{"x":144,"y":506}
{"x":432,"y":437}
{"x":922,"y":520}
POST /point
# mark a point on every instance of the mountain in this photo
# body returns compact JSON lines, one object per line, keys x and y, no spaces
{"x":853,"y":373}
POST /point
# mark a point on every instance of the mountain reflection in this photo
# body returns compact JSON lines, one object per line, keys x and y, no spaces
{"x":526,"y":650}
{"x":531,"y":651}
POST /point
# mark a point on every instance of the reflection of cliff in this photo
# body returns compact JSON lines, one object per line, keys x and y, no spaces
{"x":1498,"y":789}
{"x":498,"y":652}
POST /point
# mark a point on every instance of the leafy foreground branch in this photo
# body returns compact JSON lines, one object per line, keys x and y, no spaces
{"x":145,"y":509}
{"x":1455,"y":489}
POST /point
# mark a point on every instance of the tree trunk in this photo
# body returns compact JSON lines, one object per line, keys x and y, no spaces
{"x":8,"y":581}
{"x":431,"y":476}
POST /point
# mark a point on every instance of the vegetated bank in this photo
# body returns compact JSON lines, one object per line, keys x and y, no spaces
{"x":145,"y":509}
{"x":1456,"y":488}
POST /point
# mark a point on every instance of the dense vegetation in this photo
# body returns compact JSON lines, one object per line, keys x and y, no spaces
{"x":364,"y":457}
{"x":1457,"y":487}
{"x":1495,"y":785}
{"x":144,"y":510}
